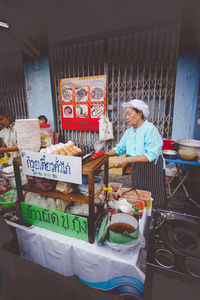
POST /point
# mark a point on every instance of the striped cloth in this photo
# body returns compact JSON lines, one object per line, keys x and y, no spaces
{"x":151,"y":177}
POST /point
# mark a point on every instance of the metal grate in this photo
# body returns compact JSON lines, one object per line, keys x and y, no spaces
{"x":138,"y":64}
{"x":12,"y":84}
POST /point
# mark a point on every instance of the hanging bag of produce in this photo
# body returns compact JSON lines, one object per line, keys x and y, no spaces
{"x":105,"y":129}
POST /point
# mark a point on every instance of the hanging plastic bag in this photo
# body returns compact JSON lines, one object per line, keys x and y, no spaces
{"x":105,"y":129}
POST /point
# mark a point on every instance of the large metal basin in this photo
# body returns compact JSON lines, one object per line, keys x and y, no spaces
{"x":189,"y":144}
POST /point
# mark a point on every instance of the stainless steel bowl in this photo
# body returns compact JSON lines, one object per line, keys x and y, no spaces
{"x":189,"y":144}
{"x":169,"y":153}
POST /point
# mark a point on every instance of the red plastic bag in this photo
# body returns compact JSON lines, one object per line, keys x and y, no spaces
{"x":44,"y":184}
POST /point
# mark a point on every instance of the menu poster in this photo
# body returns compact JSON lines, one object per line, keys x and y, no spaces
{"x":82,"y":102}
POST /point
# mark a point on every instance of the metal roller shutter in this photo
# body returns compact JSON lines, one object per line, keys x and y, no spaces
{"x":139,"y":63}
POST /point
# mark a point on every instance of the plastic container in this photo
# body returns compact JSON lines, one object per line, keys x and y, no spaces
{"x":139,"y":204}
{"x":6,"y":205}
{"x":46,"y":135}
{"x":142,"y":195}
{"x":84,"y":189}
{"x":8,"y":199}
{"x":28,"y":134}
{"x":168,"y":144}
{"x":115,"y":189}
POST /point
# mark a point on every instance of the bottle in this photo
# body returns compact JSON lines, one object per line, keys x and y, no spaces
{"x":108,"y":194}
{"x":46,"y":135}
{"x":136,"y":215}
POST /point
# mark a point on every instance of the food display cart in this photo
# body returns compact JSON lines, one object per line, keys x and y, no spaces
{"x":88,"y":261}
{"x":90,"y":169}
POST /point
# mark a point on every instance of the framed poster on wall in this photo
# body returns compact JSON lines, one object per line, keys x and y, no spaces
{"x":82,"y":102}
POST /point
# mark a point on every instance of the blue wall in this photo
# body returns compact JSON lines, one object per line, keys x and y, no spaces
{"x":186,"y":98}
{"x":38,"y":89}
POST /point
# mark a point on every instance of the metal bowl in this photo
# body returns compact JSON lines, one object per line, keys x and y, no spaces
{"x":187,"y":154}
{"x":189,"y":144}
{"x":169,"y":153}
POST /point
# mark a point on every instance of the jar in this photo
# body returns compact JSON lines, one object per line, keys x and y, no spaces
{"x":46,"y":135}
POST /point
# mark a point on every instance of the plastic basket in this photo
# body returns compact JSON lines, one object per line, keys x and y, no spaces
{"x":6,"y":205}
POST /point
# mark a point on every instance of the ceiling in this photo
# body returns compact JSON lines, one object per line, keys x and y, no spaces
{"x":35,"y":23}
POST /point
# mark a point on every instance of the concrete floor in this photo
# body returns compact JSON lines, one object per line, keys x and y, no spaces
{"x":21,"y":279}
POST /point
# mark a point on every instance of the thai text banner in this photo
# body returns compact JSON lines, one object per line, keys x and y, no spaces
{"x":71,"y":225}
{"x":52,"y":166}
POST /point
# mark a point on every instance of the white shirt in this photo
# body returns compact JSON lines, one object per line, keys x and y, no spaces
{"x":8,"y":134}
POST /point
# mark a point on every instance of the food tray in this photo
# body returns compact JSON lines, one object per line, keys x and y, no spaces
{"x":137,"y":203}
{"x":142,"y":195}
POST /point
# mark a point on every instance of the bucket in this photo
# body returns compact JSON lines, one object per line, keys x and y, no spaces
{"x":28,"y":134}
{"x":123,"y":228}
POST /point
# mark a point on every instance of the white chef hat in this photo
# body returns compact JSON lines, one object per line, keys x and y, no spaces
{"x":138,"y":104}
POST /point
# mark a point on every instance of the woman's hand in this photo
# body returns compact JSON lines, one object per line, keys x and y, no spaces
{"x":122,"y":162}
{"x":111,"y":153}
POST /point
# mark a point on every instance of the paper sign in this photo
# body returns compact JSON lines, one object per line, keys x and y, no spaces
{"x":82,"y":102}
{"x":52,"y":166}
{"x":68,"y":224}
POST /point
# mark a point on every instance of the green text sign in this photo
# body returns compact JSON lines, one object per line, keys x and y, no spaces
{"x":71,"y":225}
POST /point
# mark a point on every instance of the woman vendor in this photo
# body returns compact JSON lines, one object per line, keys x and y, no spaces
{"x":142,"y":144}
{"x":8,"y":134}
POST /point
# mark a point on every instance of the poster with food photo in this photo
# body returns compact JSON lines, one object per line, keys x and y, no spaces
{"x":97,"y":93}
{"x":81,"y":94}
{"x":68,"y":111}
{"x":97,"y":110}
{"x":67,"y":94}
{"x":82,"y":102}
{"x":82,"y":111}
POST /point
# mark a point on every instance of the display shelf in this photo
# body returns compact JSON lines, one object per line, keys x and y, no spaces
{"x":75,"y":197}
{"x":90,"y":169}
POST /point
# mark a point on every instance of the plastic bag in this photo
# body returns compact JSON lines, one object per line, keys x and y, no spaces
{"x":44,"y":184}
{"x":105,"y":129}
{"x":135,"y":245}
{"x":4,"y":185}
{"x":98,"y":146}
{"x":64,"y":187}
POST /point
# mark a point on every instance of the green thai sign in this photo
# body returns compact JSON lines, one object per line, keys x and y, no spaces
{"x":67,"y":224}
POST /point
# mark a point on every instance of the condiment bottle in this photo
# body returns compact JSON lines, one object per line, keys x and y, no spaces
{"x":108,"y":190}
{"x":136,"y":215}
{"x":46,"y":135}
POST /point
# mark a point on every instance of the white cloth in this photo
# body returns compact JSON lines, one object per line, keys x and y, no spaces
{"x":97,"y":266}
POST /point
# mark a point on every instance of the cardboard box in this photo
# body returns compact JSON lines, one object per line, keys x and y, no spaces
{"x":116,"y":171}
{"x":112,"y":161}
